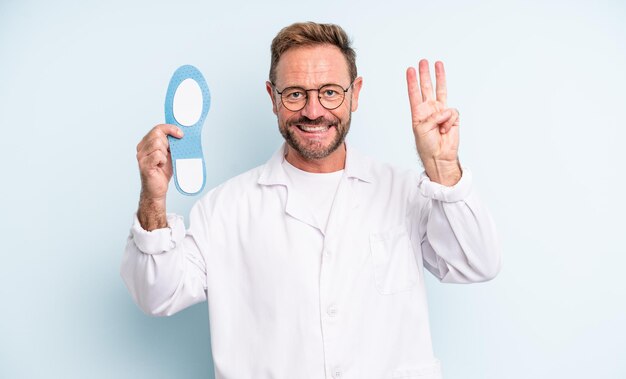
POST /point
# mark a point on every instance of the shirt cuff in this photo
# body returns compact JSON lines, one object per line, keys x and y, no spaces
{"x":452,"y":194}
{"x":159,"y":241}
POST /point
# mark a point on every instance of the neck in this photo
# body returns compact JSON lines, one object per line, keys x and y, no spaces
{"x":334,"y":162}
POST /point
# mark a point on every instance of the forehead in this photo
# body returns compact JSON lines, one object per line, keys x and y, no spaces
{"x":312,"y":66}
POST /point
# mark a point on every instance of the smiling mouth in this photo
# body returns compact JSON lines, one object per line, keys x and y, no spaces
{"x":313,"y":128}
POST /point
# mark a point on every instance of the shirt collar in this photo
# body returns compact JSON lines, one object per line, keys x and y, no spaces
{"x":357,"y":166}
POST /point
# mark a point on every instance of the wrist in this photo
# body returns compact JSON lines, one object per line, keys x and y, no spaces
{"x":151,"y":213}
{"x":444,"y":172}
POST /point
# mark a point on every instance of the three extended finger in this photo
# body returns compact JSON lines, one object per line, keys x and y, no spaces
{"x":440,"y":76}
{"x":415,"y":97}
{"x":426,"y":85}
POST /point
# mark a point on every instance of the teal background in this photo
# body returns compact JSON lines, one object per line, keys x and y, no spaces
{"x":540,"y":87}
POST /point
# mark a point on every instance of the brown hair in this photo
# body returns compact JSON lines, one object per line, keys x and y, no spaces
{"x":310,"y":34}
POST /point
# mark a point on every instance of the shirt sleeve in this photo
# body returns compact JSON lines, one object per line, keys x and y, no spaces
{"x":458,"y":236}
{"x":164,"y":269}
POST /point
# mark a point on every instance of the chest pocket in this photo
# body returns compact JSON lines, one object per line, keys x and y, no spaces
{"x":395,"y":268}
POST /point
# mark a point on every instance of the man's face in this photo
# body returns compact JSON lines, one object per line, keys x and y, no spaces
{"x":314,"y":132}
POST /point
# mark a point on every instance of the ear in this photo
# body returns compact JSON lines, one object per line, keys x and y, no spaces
{"x":270,"y":91}
{"x":356,"y":88}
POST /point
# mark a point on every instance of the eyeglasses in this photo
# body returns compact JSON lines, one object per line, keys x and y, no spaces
{"x":331,"y":96}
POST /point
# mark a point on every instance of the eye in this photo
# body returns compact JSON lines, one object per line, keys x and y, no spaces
{"x":331,"y":92}
{"x":293,"y":94}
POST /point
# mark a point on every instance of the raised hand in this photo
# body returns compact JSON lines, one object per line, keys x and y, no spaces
{"x":435,"y":126}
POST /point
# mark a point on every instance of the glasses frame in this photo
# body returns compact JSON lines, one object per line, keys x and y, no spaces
{"x":306,"y":92}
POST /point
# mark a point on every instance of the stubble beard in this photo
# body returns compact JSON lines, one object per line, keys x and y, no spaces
{"x":315,"y":150}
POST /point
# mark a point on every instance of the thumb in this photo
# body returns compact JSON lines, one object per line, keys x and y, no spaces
{"x":441,"y":117}
{"x":434,"y":121}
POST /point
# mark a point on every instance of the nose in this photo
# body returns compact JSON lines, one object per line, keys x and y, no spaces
{"x":313,"y":108}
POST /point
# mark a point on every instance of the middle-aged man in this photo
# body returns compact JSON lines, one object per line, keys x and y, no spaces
{"x":312,"y":264}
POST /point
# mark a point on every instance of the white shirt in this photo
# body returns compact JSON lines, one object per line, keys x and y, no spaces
{"x":318,"y":188}
{"x":287,"y":301}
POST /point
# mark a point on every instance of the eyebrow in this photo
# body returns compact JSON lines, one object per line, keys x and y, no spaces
{"x":300,"y":86}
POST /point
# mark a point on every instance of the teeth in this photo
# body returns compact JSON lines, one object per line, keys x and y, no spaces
{"x":313,"y":128}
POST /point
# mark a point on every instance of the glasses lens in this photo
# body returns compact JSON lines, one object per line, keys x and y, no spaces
{"x":294,"y":98}
{"x":331,"y":96}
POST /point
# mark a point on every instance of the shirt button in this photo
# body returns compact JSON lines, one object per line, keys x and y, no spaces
{"x":332,"y":310}
{"x":337,"y":373}
{"x":327,"y":252}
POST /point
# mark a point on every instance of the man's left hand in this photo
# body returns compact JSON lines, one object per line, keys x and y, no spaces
{"x":435,"y":126}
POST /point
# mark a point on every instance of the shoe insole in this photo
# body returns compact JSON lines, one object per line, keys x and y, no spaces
{"x":186,"y":105}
